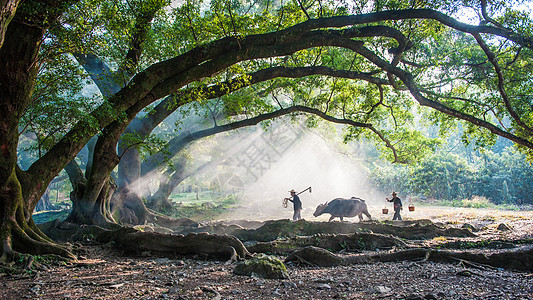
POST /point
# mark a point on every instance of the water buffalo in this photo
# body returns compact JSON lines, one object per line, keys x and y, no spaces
{"x":341,"y":208}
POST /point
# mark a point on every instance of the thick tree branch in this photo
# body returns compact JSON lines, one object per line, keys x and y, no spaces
{"x":178,"y":143}
{"x":410,"y":14}
{"x":8,"y":8}
{"x":408,"y":80}
{"x":140,"y":32}
{"x":486,"y":16}
{"x":74,"y":172}
{"x":167,"y":106}
{"x":492,"y":58}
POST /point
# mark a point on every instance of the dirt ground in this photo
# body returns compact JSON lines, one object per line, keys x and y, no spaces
{"x":102,"y":273}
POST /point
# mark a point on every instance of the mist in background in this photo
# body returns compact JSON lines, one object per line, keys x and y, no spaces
{"x":272,"y":162}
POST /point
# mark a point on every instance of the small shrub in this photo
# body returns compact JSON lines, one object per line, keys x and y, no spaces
{"x":508,"y":207}
{"x":475,"y":202}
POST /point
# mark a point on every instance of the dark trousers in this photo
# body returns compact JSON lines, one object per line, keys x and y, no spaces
{"x":397,"y":215}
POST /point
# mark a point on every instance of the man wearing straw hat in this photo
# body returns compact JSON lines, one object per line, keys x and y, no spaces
{"x":297,"y":205}
{"x":397,"y":206}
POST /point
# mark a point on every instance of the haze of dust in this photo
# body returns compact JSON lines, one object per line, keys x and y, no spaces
{"x":309,"y":162}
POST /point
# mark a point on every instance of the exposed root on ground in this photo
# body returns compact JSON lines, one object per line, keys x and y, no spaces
{"x":355,"y":242}
{"x":30,"y":240}
{"x":203,"y":244}
{"x":271,"y":230}
{"x":304,"y":245}
{"x":134,"y":241}
{"x":507,"y":259}
{"x":168,"y":222}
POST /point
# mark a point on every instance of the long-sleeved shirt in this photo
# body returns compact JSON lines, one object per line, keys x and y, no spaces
{"x":296,"y":201}
{"x":397,"y":202}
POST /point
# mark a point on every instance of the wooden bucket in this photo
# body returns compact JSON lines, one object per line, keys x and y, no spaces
{"x":385,"y":211}
{"x":411,"y":207}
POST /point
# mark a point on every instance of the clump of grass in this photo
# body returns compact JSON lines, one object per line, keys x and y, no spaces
{"x":208,"y":207}
{"x":508,"y":207}
{"x":474,"y":202}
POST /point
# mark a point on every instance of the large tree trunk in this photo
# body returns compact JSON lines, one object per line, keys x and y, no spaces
{"x":127,"y":202}
{"x":95,"y":212}
{"x":83,"y":213}
{"x":93,"y":190}
{"x":167,"y":183}
{"x":91,"y":196}
{"x":18,"y":231}
{"x":44,"y":204}
{"x":128,"y":208}
{"x":7,"y":11}
{"x":93,"y":204}
{"x":20,"y":191}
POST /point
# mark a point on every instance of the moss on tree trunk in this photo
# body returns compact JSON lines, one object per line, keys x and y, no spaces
{"x":18,"y":232}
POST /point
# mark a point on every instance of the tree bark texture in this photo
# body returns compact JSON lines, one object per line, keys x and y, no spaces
{"x":20,"y":191}
{"x":8,"y":9}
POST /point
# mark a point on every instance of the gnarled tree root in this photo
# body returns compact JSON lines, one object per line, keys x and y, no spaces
{"x":220,"y":246}
{"x":519,"y":259}
{"x":333,"y":242}
{"x":168,"y":222}
{"x":27,"y":238}
{"x":72,"y":232}
{"x":131,"y":240}
{"x":316,"y":256}
{"x":413,"y":230}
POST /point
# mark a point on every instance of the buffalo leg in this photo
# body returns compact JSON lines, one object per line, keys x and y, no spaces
{"x":331,"y":218}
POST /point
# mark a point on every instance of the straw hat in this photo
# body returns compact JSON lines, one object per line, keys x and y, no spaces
{"x":292,"y":191}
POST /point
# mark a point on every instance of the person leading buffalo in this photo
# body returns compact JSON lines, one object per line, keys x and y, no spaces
{"x":397,"y":206}
{"x":297,"y":205}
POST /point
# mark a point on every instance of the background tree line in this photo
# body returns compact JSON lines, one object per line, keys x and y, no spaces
{"x":458,"y":175}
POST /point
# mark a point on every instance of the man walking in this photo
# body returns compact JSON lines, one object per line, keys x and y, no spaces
{"x":297,"y":205}
{"x":397,"y":206}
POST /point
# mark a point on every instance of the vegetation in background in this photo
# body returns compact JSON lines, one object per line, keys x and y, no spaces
{"x":462,"y":177}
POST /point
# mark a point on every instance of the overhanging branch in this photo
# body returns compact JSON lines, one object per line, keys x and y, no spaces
{"x":178,"y":143}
